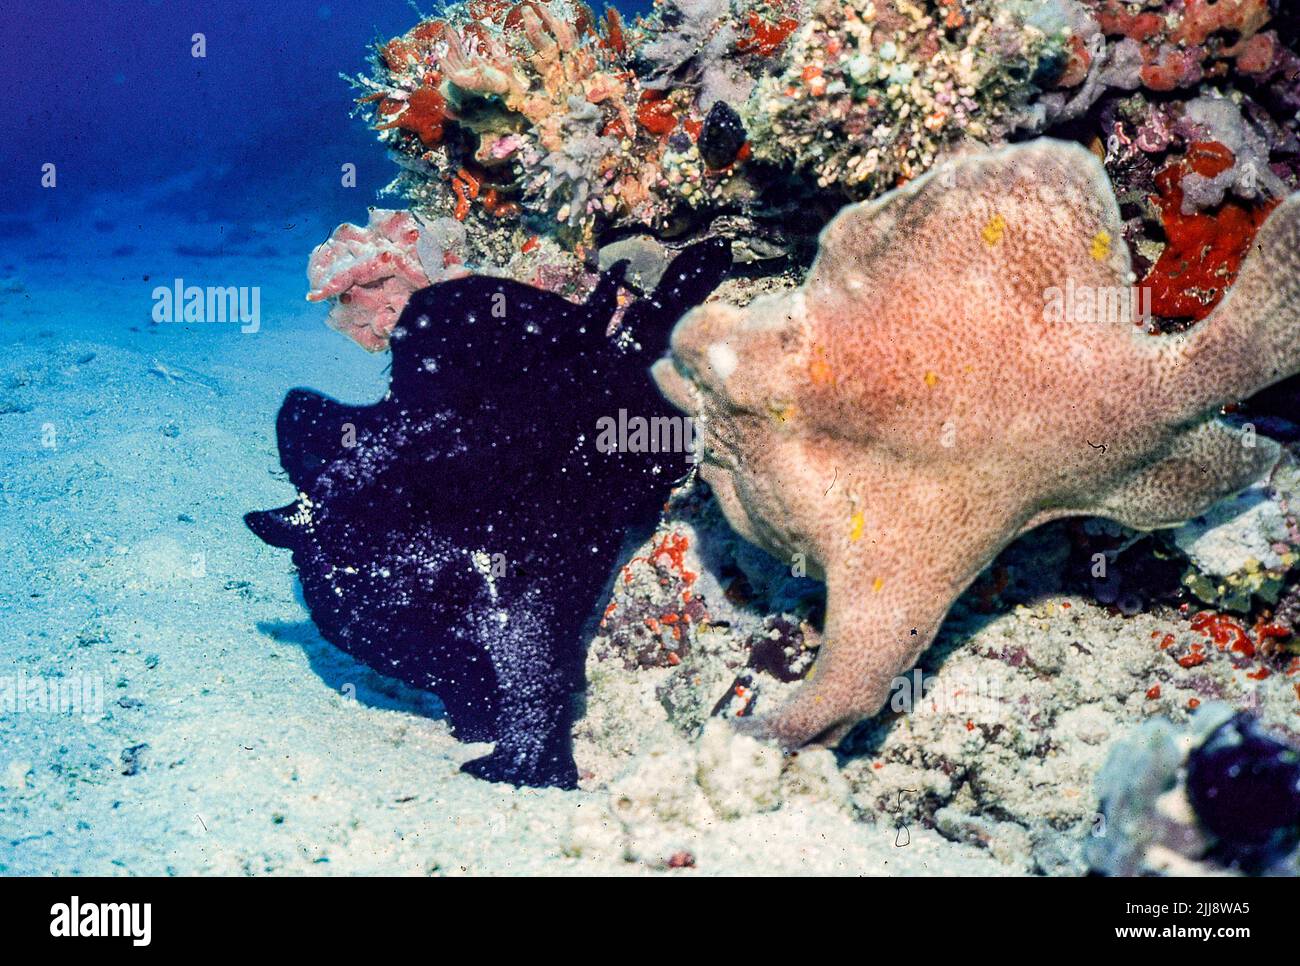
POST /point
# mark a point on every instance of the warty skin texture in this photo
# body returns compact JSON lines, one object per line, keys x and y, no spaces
{"x":910,"y":410}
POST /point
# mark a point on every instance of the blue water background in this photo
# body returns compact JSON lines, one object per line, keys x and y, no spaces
{"x":173,"y":166}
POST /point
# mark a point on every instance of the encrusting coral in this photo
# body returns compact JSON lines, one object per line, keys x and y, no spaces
{"x":871,"y":94}
{"x":916,"y":404}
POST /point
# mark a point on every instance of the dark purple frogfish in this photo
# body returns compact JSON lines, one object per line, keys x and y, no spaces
{"x":458,"y":533}
{"x":1244,"y":786}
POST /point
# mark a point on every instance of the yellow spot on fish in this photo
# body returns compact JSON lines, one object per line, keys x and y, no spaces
{"x":819,"y":370}
{"x":931,"y":379}
{"x":856,"y":523}
{"x":992,"y":232}
{"x":1100,"y":245}
{"x":781,"y":411}
{"x":878,"y":583}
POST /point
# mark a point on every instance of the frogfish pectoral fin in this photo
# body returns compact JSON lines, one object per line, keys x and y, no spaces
{"x":275,"y":527}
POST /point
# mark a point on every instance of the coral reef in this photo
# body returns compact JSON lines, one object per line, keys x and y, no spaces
{"x":535,"y":117}
{"x":994,"y":740}
{"x":549,"y":132}
{"x":867,"y":429}
{"x":872,"y":93}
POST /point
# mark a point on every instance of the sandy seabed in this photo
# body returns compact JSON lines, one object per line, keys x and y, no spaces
{"x":230,"y":738}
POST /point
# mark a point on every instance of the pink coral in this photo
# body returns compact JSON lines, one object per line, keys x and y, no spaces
{"x":368,"y":274}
